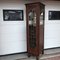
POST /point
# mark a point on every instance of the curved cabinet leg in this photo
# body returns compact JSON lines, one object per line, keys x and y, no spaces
{"x":37,"y":57}
{"x":29,"y":55}
{"x":42,"y":51}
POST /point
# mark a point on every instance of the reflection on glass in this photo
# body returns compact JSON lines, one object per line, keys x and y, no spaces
{"x":32,"y":18}
{"x":41,"y":18}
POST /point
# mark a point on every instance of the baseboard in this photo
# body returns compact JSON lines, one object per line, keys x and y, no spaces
{"x":13,"y":54}
{"x":52,"y":48}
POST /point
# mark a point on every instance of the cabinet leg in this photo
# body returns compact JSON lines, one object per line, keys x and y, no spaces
{"x":29,"y":55}
{"x":43,"y":52}
{"x":37,"y":57}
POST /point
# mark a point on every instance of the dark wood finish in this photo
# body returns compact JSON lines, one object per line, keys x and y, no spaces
{"x":35,"y":40}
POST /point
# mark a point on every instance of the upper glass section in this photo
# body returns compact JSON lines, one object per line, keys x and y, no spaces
{"x":32,"y":18}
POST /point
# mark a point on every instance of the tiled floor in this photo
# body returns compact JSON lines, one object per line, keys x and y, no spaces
{"x":47,"y":53}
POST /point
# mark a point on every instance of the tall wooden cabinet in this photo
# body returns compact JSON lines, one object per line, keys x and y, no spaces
{"x":35,"y":28}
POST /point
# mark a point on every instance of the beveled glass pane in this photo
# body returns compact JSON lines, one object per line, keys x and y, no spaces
{"x":32,"y":18}
{"x":41,"y":18}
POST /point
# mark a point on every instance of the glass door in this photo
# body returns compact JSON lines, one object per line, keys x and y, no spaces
{"x":32,"y":28}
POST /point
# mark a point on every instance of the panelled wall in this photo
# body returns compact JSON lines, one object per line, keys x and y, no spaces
{"x":52,"y":27}
{"x":12,"y":33}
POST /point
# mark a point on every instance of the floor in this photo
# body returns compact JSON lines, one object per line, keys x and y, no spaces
{"x":47,"y":53}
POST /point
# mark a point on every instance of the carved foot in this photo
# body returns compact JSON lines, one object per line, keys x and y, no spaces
{"x":37,"y":58}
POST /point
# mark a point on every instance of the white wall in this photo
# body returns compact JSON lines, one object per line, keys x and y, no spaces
{"x":52,"y":27}
{"x":12,"y":33}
